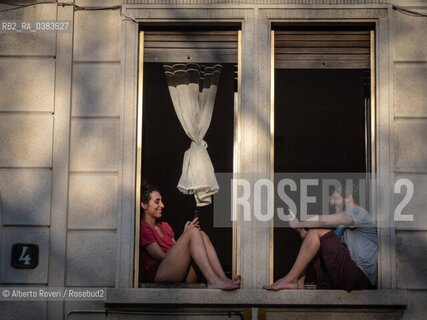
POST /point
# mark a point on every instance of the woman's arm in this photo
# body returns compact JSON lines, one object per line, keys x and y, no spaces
{"x":192,"y":224}
{"x":154,"y":250}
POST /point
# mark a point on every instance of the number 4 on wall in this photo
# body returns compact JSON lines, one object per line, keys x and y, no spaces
{"x":25,"y":256}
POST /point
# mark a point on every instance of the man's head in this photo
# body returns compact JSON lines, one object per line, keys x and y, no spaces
{"x":345,"y":198}
{"x":351,"y":192}
{"x":337,"y":201}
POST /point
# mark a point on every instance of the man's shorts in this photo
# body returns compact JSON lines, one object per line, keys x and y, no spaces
{"x":334,"y":267}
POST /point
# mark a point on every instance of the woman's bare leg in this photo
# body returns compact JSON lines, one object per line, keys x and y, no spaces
{"x":216,"y":265}
{"x":309,"y":248}
{"x":192,"y":274}
{"x":174,"y":267}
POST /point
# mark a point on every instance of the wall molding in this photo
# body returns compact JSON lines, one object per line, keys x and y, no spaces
{"x":261,"y":2}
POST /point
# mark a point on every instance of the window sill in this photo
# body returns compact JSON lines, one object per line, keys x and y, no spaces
{"x":177,"y":297}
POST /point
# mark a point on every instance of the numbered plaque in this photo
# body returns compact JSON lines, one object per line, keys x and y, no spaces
{"x":25,"y":256}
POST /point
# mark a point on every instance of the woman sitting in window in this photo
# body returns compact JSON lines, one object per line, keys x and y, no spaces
{"x":167,"y":260}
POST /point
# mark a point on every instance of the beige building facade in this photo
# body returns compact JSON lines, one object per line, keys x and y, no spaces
{"x":68,"y":157}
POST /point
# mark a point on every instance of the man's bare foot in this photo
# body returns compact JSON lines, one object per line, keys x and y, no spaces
{"x":282,"y":284}
{"x":223,"y":285}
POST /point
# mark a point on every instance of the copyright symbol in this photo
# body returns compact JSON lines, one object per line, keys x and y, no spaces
{"x":6,"y":293}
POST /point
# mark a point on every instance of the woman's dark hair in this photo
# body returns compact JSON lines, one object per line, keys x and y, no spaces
{"x":146,"y":190}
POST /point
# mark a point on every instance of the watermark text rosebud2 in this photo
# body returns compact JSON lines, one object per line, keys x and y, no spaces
{"x":306,"y":195}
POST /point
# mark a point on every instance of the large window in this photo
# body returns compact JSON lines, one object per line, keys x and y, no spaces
{"x":322,"y":115}
{"x":163,"y":139}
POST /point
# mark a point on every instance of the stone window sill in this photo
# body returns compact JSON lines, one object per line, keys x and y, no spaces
{"x":178,"y":297}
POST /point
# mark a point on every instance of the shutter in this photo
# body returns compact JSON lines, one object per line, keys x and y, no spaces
{"x":322,"y":49}
{"x":190,"y":46}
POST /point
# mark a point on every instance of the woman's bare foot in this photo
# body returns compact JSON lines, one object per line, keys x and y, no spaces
{"x":223,"y":285}
{"x":228,"y":281}
{"x":237,"y":280}
{"x":282,"y":283}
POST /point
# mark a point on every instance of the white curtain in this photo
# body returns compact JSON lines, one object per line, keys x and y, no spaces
{"x":193,"y":89}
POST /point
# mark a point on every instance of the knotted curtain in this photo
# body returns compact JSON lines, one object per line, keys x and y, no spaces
{"x":193,"y":88}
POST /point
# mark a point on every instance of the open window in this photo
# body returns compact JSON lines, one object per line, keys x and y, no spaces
{"x":322,"y":112}
{"x":162,"y":140}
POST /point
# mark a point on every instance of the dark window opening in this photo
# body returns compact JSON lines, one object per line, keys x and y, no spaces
{"x":319,"y":127}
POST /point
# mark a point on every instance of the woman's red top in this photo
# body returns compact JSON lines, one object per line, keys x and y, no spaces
{"x":149,"y":235}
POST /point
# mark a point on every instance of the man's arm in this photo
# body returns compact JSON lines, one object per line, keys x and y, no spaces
{"x":322,"y":221}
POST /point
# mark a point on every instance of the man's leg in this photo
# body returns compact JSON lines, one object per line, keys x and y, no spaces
{"x":308,"y":251}
{"x":323,"y":281}
{"x":339,"y":268}
{"x":301,"y":281}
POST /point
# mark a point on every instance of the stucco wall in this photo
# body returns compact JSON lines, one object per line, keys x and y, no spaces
{"x":410,"y":111}
{"x":61,"y":152}
{"x":32,"y":70}
{"x":27,"y":73}
{"x":95,"y":152}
